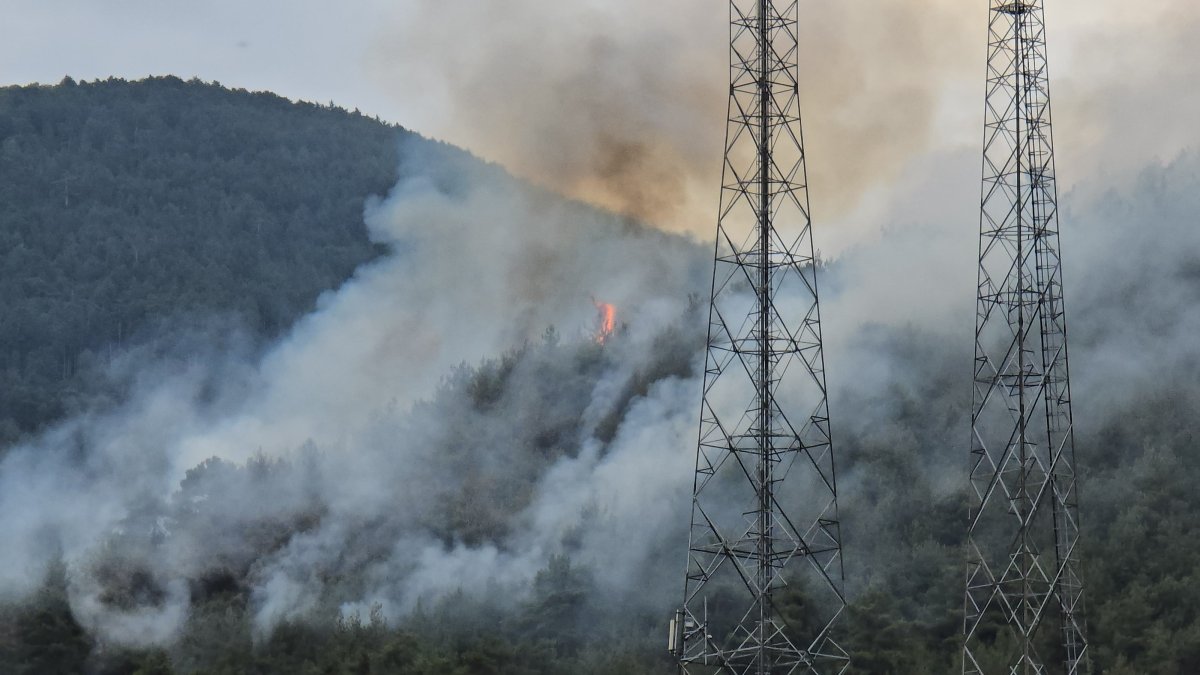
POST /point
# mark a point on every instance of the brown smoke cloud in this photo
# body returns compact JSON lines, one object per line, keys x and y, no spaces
{"x":622,"y":103}
{"x":1124,"y":86}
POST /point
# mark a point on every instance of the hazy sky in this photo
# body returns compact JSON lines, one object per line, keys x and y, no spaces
{"x":622,"y":101}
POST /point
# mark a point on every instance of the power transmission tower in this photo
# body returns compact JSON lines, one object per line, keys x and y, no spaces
{"x":764,"y":578}
{"x":1024,"y":592}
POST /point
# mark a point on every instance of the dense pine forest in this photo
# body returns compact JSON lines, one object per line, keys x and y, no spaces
{"x":129,"y":206}
{"x":163,"y":221}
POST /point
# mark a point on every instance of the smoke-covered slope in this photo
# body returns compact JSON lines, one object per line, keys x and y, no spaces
{"x":449,"y":420}
{"x":446,"y":467}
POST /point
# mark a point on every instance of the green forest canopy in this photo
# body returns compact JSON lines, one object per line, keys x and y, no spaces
{"x":129,"y":207}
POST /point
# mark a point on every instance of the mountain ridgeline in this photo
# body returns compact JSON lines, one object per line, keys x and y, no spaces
{"x":129,"y":207}
{"x":526,"y":513}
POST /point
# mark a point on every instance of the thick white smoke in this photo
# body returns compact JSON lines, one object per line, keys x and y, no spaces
{"x":478,"y":265}
{"x":358,"y":463}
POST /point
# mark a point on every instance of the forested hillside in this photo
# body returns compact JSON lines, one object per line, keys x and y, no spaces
{"x":439,"y":467}
{"x":131,"y":205}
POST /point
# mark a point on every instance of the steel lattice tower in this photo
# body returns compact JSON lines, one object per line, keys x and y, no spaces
{"x":764,"y":578}
{"x":1024,"y":594}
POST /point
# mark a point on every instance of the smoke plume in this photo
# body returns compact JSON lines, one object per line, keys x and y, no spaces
{"x":353,"y":449}
{"x":447,"y":421}
{"x":622,"y":103}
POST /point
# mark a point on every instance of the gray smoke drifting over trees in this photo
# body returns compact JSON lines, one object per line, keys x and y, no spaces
{"x":340,"y":466}
{"x":424,"y":433}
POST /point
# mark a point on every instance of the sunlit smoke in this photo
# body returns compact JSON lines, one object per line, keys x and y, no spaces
{"x":623,"y":104}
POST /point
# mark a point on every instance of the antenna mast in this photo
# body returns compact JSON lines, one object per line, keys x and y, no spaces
{"x":1024,"y":591}
{"x":764,"y":527}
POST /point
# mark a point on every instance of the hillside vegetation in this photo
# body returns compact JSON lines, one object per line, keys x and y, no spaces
{"x":137,"y":210}
{"x":132,"y":206}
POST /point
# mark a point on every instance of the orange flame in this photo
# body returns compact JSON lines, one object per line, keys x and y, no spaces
{"x":606,"y":321}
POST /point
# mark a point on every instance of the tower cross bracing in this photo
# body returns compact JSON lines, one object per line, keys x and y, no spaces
{"x":1024,"y":611}
{"x":764,"y":581}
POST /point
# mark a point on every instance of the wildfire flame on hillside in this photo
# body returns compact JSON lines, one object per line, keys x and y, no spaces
{"x":606,"y":321}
